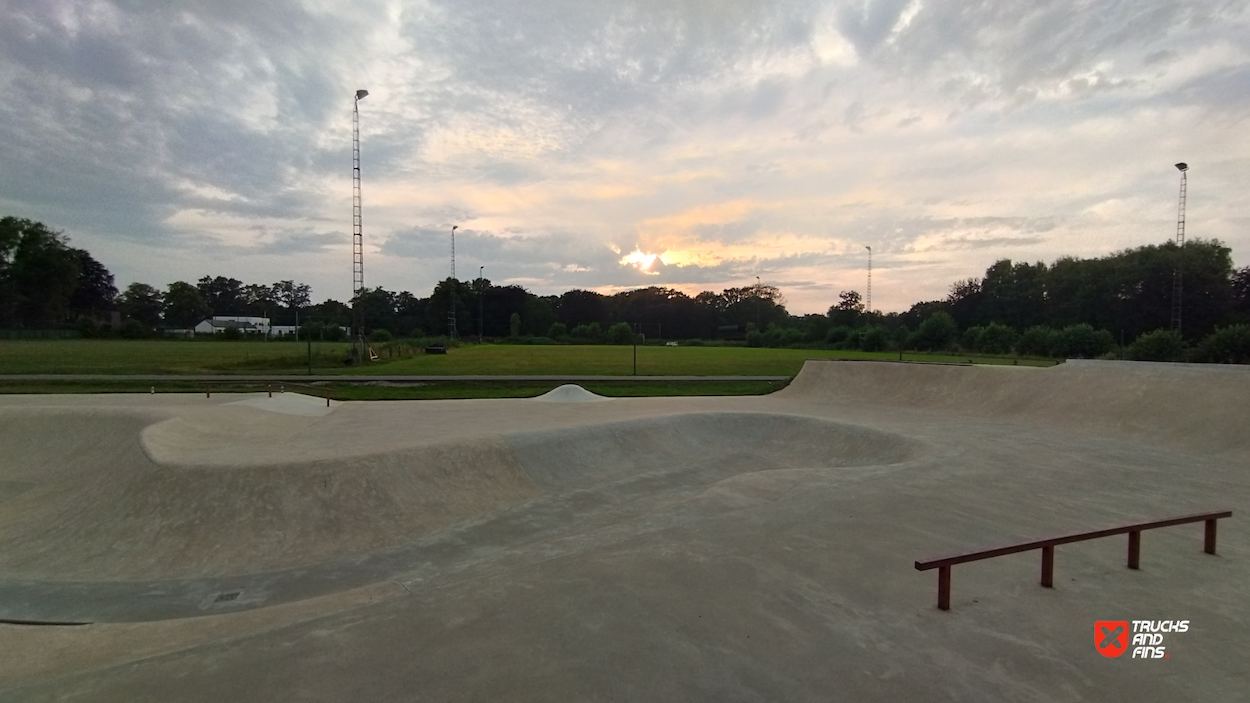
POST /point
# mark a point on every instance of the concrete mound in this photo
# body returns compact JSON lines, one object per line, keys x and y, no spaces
{"x":96,"y":507}
{"x":144,"y":512}
{"x":570,"y":393}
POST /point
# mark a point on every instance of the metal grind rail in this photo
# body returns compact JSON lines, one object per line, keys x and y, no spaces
{"x":944,"y":564}
{"x":270,"y":387}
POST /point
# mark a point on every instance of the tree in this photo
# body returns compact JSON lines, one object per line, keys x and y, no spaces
{"x":849,"y":309}
{"x":514,"y":325}
{"x":538,"y":316}
{"x":410,"y":313}
{"x":184,"y":305}
{"x":38,"y":272}
{"x":964,"y":302}
{"x":377,"y":309}
{"x":1241,"y":294}
{"x":1038,"y":340}
{"x":873,"y":338}
{"x":1159,"y":345}
{"x":141,"y":303}
{"x":331,"y":312}
{"x":666,"y":312}
{"x":937,"y":332}
{"x":581,"y":307}
{"x":1227,"y":345}
{"x":259,"y":301}
{"x":1014,"y":294}
{"x":997,"y":338}
{"x":94,"y":292}
{"x":620,"y":333}
{"x":224,"y":296}
{"x":291,"y":295}
{"x":1082,"y":342}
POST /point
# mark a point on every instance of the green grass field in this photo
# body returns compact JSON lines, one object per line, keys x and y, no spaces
{"x":491,"y":359}
{"x":175,"y":357}
{"x":161,"y":356}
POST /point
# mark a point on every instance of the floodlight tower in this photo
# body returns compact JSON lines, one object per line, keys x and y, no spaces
{"x":451,"y":312}
{"x":1178,"y":274}
{"x":358,"y":244}
{"x":869,"y":306}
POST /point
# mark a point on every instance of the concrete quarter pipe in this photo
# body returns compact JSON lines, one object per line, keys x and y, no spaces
{"x":747,"y":548}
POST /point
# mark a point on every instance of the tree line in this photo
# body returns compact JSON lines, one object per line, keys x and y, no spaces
{"x":1072,"y":307}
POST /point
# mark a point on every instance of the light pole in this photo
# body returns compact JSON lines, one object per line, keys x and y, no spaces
{"x":757,"y":303}
{"x":451,"y":312}
{"x":358,"y":245}
{"x":481,"y":295}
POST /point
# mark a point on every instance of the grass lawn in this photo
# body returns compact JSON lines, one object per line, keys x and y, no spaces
{"x":85,"y":356}
{"x":163,"y":356}
{"x":604,"y":360}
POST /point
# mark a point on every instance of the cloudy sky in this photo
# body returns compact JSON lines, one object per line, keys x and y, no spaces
{"x":617,"y":144}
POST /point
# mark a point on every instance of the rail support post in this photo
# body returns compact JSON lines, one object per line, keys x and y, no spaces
{"x":944,"y":588}
{"x":1134,"y":550}
{"x":208,"y":392}
{"x":1208,"y":537}
{"x":1048,"y":567}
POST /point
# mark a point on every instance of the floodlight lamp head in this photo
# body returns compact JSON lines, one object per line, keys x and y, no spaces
{"x":868,"y":247}
{"x":1183,"y":166}
{"x":455,"y":227}
{"x":361,"y":94}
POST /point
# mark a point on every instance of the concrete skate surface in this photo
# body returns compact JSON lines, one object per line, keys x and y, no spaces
{"x":243,"y":547}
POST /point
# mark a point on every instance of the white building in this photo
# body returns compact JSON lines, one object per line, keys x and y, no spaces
{"x":246,"y":325}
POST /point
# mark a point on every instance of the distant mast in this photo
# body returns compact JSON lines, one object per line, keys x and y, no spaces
{"x":358,"y":237}
{"x":868,"y":308}
{"x":1178,"y":276}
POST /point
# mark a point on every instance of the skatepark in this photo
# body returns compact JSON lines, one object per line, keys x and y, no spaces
{"x":573,"y":547}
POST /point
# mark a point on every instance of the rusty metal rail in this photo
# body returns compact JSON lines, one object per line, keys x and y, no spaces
{"x":270,"y":386}
{"x":944,"y":564}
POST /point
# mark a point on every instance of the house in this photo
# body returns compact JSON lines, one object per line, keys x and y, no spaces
{"x":246,"y":325}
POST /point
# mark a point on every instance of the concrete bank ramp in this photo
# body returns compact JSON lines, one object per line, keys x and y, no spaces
{"x":1197,"y":406}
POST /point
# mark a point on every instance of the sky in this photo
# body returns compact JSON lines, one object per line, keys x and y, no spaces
{"x":619,"y":144}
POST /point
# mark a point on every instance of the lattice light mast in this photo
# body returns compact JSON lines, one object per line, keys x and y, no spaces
{"x":869,"y":306}
{"x":451,"y":309}
{"x":1178,"y":276}
{"x":358,"y":243}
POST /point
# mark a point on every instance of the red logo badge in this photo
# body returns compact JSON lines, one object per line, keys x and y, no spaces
{"x":1111,"y":637}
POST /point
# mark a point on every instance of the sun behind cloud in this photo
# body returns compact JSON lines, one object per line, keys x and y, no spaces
{"x":641,"y":261}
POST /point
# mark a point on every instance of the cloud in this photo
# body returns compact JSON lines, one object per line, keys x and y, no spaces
{"x":727,"y":140}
